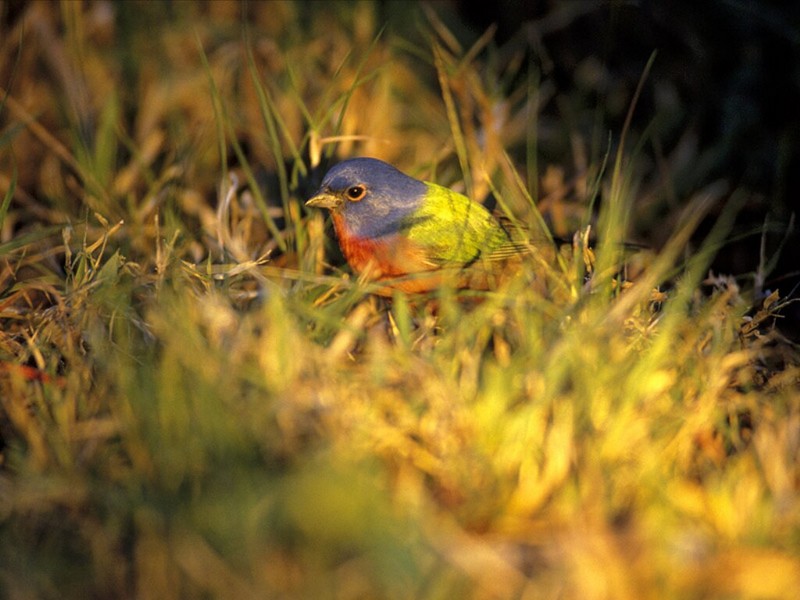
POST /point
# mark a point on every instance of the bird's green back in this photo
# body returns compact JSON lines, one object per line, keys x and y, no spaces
{"x":453,"y":228}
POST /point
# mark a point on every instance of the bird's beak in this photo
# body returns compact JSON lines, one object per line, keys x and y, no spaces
{"x":325,"y":200}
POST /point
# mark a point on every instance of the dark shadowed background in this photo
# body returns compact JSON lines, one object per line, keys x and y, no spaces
{"x":725,"y":81}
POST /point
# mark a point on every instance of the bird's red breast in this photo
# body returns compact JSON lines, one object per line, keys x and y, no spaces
{"x":389,"y":256}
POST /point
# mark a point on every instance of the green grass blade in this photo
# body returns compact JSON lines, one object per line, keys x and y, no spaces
{"x":8,"y":196}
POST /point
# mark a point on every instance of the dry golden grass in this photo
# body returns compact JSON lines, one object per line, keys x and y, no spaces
{"x":199,"y":400}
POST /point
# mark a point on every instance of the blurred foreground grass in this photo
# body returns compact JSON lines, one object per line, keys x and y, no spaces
{"x":196,"y":404}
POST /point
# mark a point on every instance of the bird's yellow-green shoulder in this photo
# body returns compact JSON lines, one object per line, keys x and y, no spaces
{"x":453,"y":228}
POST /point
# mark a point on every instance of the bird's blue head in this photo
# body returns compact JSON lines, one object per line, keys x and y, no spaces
{"x":372,"y":197}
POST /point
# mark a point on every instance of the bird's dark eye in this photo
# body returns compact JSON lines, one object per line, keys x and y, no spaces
{"x":355,"y":193}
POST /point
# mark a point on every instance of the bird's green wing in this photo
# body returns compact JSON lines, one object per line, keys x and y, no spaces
{"x":454,"y":229}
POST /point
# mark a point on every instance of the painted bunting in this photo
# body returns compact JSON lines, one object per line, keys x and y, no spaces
{"x":410,"y":234}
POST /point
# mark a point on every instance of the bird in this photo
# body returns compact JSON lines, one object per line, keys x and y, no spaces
{"x":407,"y":234}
